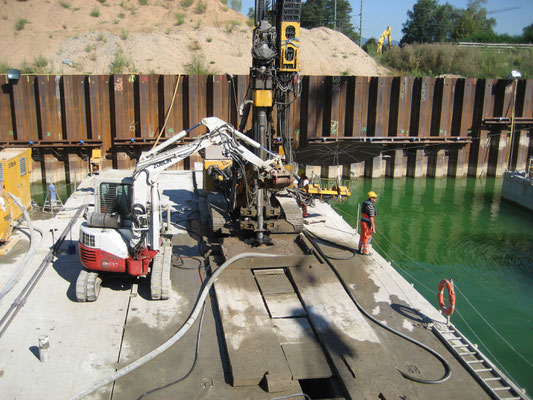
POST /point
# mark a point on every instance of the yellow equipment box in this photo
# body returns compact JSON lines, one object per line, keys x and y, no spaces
{"x":15,"y":171}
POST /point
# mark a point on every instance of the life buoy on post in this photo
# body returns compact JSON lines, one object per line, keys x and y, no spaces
{"x":447,"y":311}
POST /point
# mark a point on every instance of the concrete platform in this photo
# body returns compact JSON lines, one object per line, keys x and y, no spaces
{"x":327,"y":339}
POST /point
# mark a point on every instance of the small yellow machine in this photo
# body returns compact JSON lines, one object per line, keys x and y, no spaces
{"x":15,"y":171}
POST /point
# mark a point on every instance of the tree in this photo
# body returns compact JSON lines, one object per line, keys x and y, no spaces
{"x":236,"y":5}
{"x":527,"y":36}
{"x":473,"y":21}
{"x":317,"y":13}
{"x":429,"y":22}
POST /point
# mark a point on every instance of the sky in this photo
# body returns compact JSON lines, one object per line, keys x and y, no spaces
{"x":378,"y":14}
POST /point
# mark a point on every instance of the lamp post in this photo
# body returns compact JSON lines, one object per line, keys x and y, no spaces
{"x":514,"y":75}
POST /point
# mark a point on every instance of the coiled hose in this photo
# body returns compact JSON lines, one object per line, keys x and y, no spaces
{"x":177,"y":336}
{"x":447,"y":369}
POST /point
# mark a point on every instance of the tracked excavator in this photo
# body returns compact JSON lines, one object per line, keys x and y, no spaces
{"x":124,"y":233}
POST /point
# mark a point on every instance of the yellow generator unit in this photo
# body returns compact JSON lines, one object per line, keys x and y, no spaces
{"x":15,"y":171}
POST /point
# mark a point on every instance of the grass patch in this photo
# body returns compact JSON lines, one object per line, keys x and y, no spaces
{"x":102,"y":1}
{"x":250,"y":22}
{"x":225,"y":8}
{"x":4,"y":17}
{"x":180,"y":18}
{"x":143,"y":2}
{"x":198,"y":25}
{"x":437,"y":59}
{"x":20,"y":24}
{"x":197,"y":66}
{"x":64,"y":4}
{"x":3,"y":67}
{"x":124,"y":34}
{"x":115,"y":21}
{"x":231,"y":25}
{"x":201,"y":7}
{"x":186,"y":3}
{"x":89,"y":48}
{"x":39,"y":66}
{"x":209,"y":39}
{"x":194,"y":45}
{"x":101,"y":37}
{"x":95,"y":12}
{"x":120,"y":63}
{"x":121,"y":15}
{"x":225,"y":2}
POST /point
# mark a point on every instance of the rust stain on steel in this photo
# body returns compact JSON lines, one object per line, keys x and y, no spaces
{"x":426,"y":106}
{"x":126,"y":125}
{"x":25,"y":109}
{"x":175,"y":114}
{"x":75,"y":108}
{"x":447,"y":107}
{"x":100,"y":109}
{"x":149,"y":120}
{"x":384,"y":88}
{"x":7,"y":131}
{"x":404,"y":105}
{"x":49,"y":108}
{"x":360,"y":107}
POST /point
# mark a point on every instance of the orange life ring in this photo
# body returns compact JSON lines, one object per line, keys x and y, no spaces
{"x":447,"y":311}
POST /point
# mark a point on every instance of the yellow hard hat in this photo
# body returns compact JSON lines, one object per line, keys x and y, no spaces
{"x":372,"y":194}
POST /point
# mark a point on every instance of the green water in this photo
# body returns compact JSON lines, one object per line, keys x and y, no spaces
{"x":459,"y":228}
{"x":38,"y":191}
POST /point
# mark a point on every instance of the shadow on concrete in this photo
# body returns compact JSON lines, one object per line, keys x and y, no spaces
{"x":35,"y":351}
{"x":411,"y":313}
{"x":68,"y":267}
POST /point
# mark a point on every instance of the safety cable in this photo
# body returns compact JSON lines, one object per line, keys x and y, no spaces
{"x":500,"y":365}
{"x":447,"y":368}
{"x":462,"y":294}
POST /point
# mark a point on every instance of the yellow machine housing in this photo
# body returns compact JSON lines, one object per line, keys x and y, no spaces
{"x":334,"y":192}
{"x":15,"y":171}
{"x":289,"y":46}
{"x":262,"y":98}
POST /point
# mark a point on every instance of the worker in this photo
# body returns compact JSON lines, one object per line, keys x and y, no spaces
{"x":368,"y":226}
{"x":303,"y":185}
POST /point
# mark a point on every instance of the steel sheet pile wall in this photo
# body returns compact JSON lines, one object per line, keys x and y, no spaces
{"x":65,"y":117}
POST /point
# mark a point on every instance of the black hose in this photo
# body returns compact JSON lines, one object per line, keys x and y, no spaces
{"x":447,"y":368}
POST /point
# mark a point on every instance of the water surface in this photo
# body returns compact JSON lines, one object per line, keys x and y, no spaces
{"x":439,"y":228}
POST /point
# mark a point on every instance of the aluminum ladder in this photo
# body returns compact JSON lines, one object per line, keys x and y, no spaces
{"x":497,"y":385}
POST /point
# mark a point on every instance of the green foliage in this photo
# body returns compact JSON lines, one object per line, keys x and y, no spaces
{"x":430,"y":22}
{"x":120,"y":63}
{"x":95,"y":12}
{"x":102,"y":1}
{"x":143,"y":2}
{"x":197,"y":66}
{"x":180,"y":18}
{"x":89,"y":48}
{"x":101,"y":37}
{"x":200,"y":8}
{"x":236,"y":5}
{"x":186,"y":3}
{"x":39,"y":66}
{"x":251,"y":13}
{"x":371,"y":46}
{"x":437,"y":59}
{"x":231,"y":25}
{"x":209,"y":39}
{"x":121,"y":15}
{"x":3,"y":67}
{"x":64,"y":4}
{"x":124,"y":34}
{"x":250,"y":21}
{"x":225,"y":2}
{"x":317,"y":13}
{"x":527,"y":35}
{"x":21,"y":22}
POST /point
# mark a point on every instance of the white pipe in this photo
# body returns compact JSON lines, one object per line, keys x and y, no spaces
{"x":25,"y":261}
{"x":177,"y":336}
{"x":163,"y":145}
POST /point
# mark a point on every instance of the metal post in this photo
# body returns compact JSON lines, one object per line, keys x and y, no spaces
{"x":335,"y":17}
{"x":361,"y":26}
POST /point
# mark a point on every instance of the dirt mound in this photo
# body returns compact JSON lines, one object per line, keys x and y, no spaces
{"x":154,"y":36}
